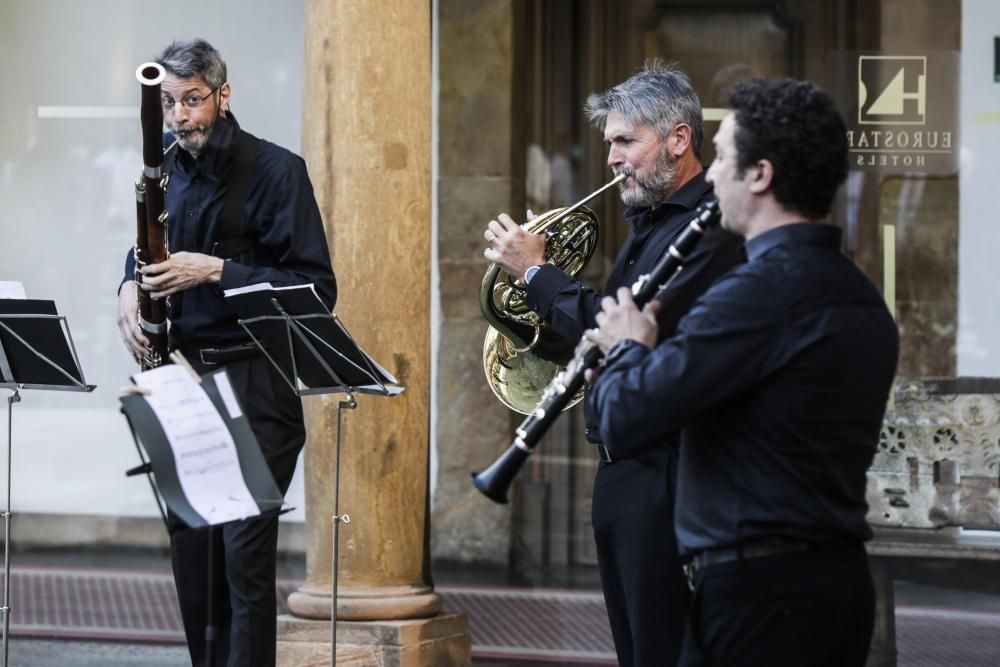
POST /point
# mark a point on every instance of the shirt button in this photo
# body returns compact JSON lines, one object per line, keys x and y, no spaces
{"x":190,"y":214}
{"x":631,"y":262}
{"x":586,"y":431}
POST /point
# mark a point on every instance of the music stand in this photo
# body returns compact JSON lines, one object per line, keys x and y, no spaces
{"x":36,"y":352}
{"x":289,"y":324}
{"x":173,"y":429}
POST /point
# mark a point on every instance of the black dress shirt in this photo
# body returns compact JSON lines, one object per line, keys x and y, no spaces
{"x":280,"y":213}
{"x":570,"y":307}
{"x":779,"y":376}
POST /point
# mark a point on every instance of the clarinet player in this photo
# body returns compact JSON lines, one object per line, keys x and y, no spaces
{"x":779,"y":377}
{"x":241,"y":211}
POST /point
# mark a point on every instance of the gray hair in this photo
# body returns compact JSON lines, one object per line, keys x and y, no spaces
{"x":658,"y":96}
{"x":194,"y":58}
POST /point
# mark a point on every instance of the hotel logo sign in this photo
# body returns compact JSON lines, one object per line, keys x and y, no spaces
{"x":901,"y":111}
{"x":903,"y":101}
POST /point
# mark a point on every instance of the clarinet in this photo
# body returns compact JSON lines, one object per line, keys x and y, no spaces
{"x":495,"y":481}
{"x":151,"y":216}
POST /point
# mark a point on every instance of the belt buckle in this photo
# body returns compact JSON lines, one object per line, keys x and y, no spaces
{"x":604,"y":454}
{"x":201,"y":355}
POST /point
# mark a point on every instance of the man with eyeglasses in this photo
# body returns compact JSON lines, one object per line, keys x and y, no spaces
{"x":241,"y":211}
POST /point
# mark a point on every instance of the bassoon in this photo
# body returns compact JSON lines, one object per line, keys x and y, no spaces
{"x":495,"y":481}
{"x":151,"y":216}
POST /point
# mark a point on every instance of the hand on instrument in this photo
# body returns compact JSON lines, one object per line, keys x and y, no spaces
{"x":620,"y":319}
{"x":511,"y":248}
{"x":128,"y":321}
{"x":180,"y":272}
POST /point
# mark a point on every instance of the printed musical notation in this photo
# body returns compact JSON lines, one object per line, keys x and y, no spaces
{"x":205,"y":456}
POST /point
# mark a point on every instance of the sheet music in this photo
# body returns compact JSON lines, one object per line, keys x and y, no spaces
{"x":208,"y":468}
{"x":12,"y":289}
{"x":227,"y":394}
{"x":256,"y":287}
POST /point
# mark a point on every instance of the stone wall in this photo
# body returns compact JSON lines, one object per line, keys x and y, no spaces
{"x":480,"y":175}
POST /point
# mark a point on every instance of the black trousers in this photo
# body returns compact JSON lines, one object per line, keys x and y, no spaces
{"x":800,"y":609}
{"x":245,"y":552}
{"x":644,"y":588}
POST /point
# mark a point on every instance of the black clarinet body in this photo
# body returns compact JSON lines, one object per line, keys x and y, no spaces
{"x":495,"y":481}
{"x":151,"y":215}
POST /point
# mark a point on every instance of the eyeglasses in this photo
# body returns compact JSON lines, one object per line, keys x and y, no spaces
{"x":189,"y":102}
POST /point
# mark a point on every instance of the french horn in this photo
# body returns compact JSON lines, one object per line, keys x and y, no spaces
{"x":521,"y":354}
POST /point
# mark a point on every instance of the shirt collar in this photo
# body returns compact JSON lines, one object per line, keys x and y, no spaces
{"x":797,"y":233}
{"x":214,"y":160}
{"x":687,"y":197}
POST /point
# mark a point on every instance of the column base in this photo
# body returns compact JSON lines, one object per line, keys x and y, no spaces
{"x":364,"y":603}
{"x":441,"y":641}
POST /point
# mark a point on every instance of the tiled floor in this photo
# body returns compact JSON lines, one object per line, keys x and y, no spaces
{"x":129,"y":616}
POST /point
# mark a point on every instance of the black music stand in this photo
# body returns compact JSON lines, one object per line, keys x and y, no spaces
{"x":36,"y":352}
{"x":148,"y":428}
{"x":291,"y":324}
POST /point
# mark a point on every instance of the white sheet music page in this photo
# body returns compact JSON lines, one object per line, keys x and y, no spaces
{"x":207,"y":464}
{"x":11,"y":289}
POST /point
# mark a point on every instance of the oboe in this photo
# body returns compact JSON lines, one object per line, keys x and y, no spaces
{"x":495,"y":481}
{"x":151,"y":217}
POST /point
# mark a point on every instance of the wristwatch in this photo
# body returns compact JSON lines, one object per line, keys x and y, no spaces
{"x":530,"y":273}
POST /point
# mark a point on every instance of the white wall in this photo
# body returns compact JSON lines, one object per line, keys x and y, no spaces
{"x":979,"y":178}
{"x":67,"y":212}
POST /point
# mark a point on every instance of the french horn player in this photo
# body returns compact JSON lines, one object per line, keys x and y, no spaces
{"x":652,"y":125}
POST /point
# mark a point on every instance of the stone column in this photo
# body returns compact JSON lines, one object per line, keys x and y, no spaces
{"x":367,"y":141}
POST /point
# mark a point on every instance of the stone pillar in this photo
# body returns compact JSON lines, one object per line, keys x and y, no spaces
{"x":367,"y":141}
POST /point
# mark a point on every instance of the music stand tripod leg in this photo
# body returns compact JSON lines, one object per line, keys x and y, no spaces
{"x":7,"y":516}
{"x":337,"y":519}
{"x":210,"y":629}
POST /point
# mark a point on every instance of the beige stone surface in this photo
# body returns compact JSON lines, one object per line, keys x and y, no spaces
{"x":480,"y":176}
{"x":366,"y":139}
{"x":460,"y":300}
{"x":476,"y":79}
{"x":467,"y":526}
{"x":466,"y":204}
{"x":441,"y":641}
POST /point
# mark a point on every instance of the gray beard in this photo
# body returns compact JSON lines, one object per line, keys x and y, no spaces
{"x":195,"y":142}
{"x":650,"y":191}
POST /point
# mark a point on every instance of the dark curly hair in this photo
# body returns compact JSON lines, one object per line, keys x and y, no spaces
{"x":796,"y":126}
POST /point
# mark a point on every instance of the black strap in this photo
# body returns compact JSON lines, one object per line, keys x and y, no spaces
{"x":228,"y":234}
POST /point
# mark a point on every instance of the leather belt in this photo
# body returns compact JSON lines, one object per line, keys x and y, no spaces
{"x":218,"y":356}
{"x":605,"y":455}
{"x":760,"y":549}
